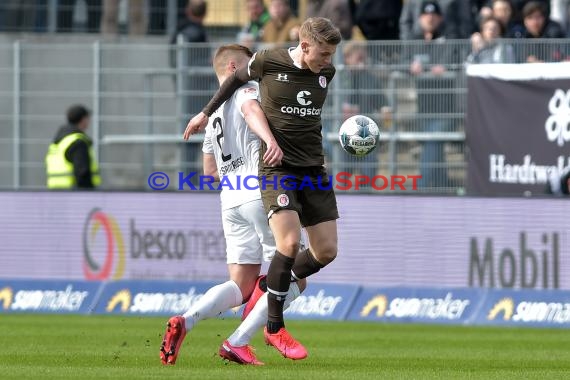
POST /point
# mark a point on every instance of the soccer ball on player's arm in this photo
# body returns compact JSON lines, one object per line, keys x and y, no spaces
{"x":359,"y":135}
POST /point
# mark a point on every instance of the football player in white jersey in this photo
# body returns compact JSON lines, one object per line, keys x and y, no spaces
{"x":231,"y":154}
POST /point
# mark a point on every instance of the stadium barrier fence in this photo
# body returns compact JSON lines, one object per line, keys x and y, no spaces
{"x":142,"y":95}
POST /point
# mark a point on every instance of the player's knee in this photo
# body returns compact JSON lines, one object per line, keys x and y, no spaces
{"x":326,"y":254}
{"x":246,"y":286}
{"x":289,"y":247}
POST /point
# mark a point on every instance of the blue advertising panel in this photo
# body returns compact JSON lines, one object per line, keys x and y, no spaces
{"x":151,"y":297}
{"x":323,"y":301}
{"x":453,"y":306}
{"x":537,"y":308}
{"x":41,"y":296}
{"x":319,"y":301}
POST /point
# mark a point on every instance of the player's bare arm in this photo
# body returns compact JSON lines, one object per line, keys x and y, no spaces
{"x":257,"y":122}
{"x":210,"y":168}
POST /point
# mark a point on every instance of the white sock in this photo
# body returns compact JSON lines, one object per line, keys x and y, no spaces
{"x":257,"y":318}
{"x":214,"y":302}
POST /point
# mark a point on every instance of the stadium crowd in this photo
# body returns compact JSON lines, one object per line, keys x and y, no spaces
{"x":278,"y":20}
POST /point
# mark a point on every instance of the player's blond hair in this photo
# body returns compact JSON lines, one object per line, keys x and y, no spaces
{"x":320,"y":30}
{"x":227,"y":52}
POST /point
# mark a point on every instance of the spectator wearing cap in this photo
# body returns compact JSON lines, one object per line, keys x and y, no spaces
{"x":537,"y":25}
{"x":70,"y":160}
{"x":436,"y":87}
{"x":457,"y":14}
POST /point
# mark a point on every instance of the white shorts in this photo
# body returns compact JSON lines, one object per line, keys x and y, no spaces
{"x":248,"y":237}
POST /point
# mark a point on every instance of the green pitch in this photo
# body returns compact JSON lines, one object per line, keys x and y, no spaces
{"x":92,"y":347}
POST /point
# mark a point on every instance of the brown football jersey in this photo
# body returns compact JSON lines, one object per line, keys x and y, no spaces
{"x":292,"y":99}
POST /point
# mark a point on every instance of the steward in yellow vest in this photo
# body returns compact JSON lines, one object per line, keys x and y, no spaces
{"x":70,"y":161}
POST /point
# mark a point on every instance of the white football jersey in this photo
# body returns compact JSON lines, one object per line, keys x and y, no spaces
{"x":235,"y":148}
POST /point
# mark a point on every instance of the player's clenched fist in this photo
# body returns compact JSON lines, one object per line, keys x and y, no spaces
{"x":195,"y":125}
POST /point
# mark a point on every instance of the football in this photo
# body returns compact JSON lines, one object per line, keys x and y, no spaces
{"x":359,"y":135}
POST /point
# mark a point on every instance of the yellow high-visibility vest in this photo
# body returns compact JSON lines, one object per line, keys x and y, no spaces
{"x":60,"y":170}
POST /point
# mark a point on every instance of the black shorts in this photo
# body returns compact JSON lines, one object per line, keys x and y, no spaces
{"x":308,"y":191}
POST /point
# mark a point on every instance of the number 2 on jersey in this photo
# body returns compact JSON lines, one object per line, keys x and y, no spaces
{"x":219,"y":137}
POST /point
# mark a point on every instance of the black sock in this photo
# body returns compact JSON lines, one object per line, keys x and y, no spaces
{"x":278,"y":280}
{"x":305,"y":265}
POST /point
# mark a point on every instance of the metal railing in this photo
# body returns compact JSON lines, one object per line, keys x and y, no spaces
{"x":142,"y":97}
{"x":137,"y":17}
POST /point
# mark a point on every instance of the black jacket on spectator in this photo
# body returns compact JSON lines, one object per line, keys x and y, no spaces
{"x":547,"y":52}
{"x":459,"y":22}
{"x":78,"y":155}
{"x":435,"y":92}
{"x":192,"y":32}
{"x":519,"y":5}
{"x":379,"y":19}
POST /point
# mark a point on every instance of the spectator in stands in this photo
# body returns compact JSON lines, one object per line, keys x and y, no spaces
{"x":157,"y":15}
{"x":559,"y":182}
{"x":503,"y":11}
{"x":192,"y":28}
{"x":70,"y":162}
{"x":364,"y":97}
{"x":560,"y":12}
{"x":456,"y":13}
{"x":110,"y":22}
{"x":17,"y":15}
{"x":538,"y":25}
{"x":435,"y":85}
{"x":338,"y":11}
{"x":196,"y":74}
{"x":65,"y":15}
{"x":258,"y":16}
{"x":379,"y":19}
{"x":487,"y":46}
{"x":480,"y":9}
{"x":283,"y":26}
{"x":518,"y":6}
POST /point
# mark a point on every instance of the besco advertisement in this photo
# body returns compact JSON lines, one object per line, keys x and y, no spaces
{"x":113,"y":236}
{"x":383,"y":241}
{"x":77,"y":297}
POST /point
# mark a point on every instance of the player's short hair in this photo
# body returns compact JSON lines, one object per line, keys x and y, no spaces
{"x":76,"y":113}
{"x":225,"y":53}
{"x":320,"y":30}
